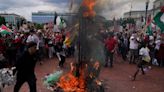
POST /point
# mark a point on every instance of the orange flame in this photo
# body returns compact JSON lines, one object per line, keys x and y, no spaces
{"x":70,"y":83}
{"x":89,"y":5}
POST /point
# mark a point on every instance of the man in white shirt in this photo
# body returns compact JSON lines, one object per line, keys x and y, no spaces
{"x":133,"y":48}
{"x":33,"y":38}
{"x":144,"y":53}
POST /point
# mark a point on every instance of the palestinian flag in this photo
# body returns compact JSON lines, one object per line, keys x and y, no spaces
{"x":159,"y":19}
{"x":5,"y":30}
{"x":149,"y":28}
{"x":62,"y":23}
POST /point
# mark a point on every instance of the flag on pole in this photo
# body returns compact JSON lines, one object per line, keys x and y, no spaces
{"x":55,"y":17}
{"x":159,"y":19}
{"x":62,"y":23}
{"x":5,"y":30}
{"x":149,"y":28}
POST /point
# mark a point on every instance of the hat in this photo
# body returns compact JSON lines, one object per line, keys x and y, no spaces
{"x":151,"y":37}
{"x":39,"y":31}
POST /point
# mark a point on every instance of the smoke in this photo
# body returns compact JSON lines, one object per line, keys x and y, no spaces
{"x":115,"y":8}
{"x":112,"y":8}
{"x":91,"y":45}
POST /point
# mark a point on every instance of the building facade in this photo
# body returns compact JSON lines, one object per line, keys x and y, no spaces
{"x":136,"y":15}
{"x":13,"y":20}
{"x":43,"y":17}
{"x":157,"y":4}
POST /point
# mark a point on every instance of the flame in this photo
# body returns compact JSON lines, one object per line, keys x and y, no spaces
{"x":89,"y":5}
{"x":70,"y":83}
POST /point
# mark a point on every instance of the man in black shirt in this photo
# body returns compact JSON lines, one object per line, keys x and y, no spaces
{"x":25,"y":68}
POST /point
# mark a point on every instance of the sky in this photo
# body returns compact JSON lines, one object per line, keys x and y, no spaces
{"x":108,"y":8}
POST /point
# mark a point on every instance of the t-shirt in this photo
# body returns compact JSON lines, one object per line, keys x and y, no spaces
{"x":33,"y":38}
{"x":133,"y":43}
{"x":144,"y":52}
{"x":26,"y":65}
{"x":110,"y":44}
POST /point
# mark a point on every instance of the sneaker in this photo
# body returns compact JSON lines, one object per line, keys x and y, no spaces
{"x":133,"y":78}
{"x":149,"y":67}
{"x":145,"y":69}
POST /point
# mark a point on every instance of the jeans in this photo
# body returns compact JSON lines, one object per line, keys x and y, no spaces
{"x":109,"y":55}
{"x":50,"y":51}
{"x":31,"y":82}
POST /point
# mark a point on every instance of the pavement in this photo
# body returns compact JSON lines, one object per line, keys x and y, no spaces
{"x":116,"y":79}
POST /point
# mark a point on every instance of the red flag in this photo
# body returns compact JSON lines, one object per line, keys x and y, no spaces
{"x":148,"y":19}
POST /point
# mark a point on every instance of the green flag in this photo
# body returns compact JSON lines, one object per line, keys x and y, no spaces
{"x":159,"y":20}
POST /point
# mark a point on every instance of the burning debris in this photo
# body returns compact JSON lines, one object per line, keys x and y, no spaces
{"x":71,"y":83}
{"x":89,"y":6}
{"x":87,"y":81}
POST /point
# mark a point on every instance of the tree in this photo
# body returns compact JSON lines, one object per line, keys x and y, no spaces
{"x":123,"y":22}
{"x":2,"y":20}
{"x":38,"y":26}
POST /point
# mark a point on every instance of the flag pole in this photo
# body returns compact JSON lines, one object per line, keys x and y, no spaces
{"x":147,"y":24}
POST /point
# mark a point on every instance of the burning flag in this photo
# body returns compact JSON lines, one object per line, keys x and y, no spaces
{"x":89,"y":5}
{"x":70,"y":83}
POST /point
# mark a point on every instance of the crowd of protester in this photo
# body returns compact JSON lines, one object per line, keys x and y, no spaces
{"x":136,"y":47}
{"x":128,"y":45}
{"x":49,"y":44}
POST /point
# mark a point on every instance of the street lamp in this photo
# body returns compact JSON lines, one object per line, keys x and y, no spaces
{"x":147,"y":5}
{"x":130,"y":13}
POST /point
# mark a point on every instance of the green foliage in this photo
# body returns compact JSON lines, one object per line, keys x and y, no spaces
{"x":123,"y":22}
{"x":2,"y":20}
{"x":108,"y":23}
{"x":38,"y":26}
{"x":127,"y":21}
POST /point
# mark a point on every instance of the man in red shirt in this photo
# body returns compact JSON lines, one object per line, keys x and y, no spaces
{"x":110,"y":44}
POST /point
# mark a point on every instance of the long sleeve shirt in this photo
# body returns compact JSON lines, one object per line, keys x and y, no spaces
{"x":25,"y":65}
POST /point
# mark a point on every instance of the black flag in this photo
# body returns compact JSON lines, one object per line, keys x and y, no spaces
{"x":55,"y":17}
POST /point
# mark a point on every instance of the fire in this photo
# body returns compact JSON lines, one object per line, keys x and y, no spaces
{"x":70,"y":83}
{"x":89,"y":5}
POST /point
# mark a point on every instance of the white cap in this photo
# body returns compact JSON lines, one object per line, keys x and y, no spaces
{"x":151,"y":37}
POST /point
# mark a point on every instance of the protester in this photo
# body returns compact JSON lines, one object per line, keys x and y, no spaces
{"x":60,"y":52}
{"x":41,"y":51}
{"x":160,"y":54}
{"x":25,"y":68}
{"x":110,"y":44}
{"x":133,"y":48}
{"x":144,"y":53}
